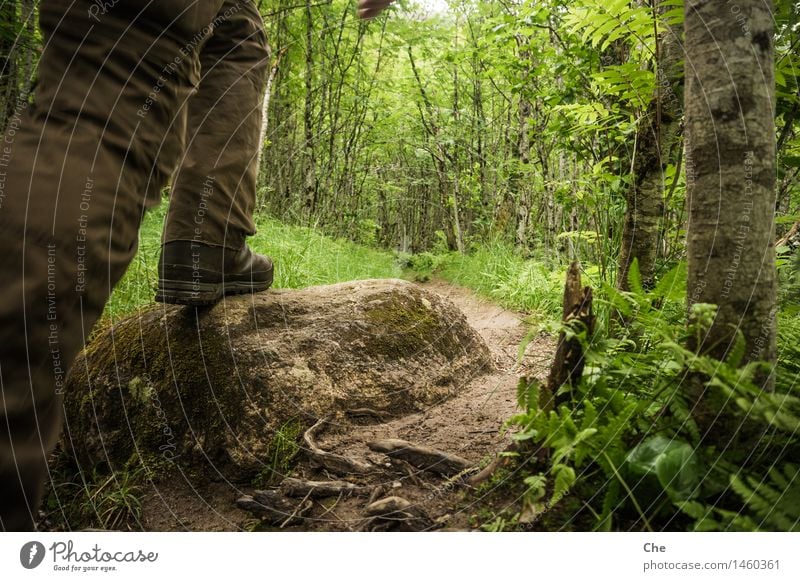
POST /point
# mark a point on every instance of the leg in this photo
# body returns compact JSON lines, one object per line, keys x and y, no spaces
{"x":214,"y":192}
{"x":78,"y":168}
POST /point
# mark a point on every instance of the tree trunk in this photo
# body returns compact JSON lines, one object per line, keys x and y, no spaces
{"x":730,"y":175}
{"x":8,"y":62}
{"x":457,"y":231}
{"x":519,"y":177}
{"x":27,"y":60}
{"x":310,"y":179}
{"x":273,"y":72}
{"x":656,"y":136}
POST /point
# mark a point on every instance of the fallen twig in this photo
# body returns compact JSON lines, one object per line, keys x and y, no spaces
{"x":302,"y":508}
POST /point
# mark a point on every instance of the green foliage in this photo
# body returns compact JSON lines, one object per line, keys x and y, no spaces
{"x":762,"y":494}
{"x":281,"y":454}
{"x":774,"y":502}
{"x":497,"y":271}
{"x":788,"y":369}
{"x":101,"y":501}
{"x":518,"y":121}
{"x":113,"y":502}
{"x":423,"y":265}
{"x":603,"y":23}
{"x":629,"y":434}
{"x":303,"y":257}
{"x":629,"y":82}
{"x":673,"y":462}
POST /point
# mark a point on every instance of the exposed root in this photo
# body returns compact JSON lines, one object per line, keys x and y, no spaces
{"x":274,"y":508}
{"x":421,"y":457}
{"x":321,"y":489}
{"x":500,"y":461}
{"x":387,"y":506}
{"x":335,"y":463}
{"x":395,"y":513}
{"x":515,"y":452}
{"x":368,"y":413}
{"x":411,"y":472}
{"x":379,"y":491}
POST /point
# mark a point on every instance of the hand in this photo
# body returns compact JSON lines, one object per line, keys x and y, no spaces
{"x":371,"y":8}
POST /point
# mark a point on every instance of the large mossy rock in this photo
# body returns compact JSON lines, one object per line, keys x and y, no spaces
{"x":180,"y":384}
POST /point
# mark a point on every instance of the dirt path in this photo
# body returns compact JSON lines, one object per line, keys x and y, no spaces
{"x":468,"y":425}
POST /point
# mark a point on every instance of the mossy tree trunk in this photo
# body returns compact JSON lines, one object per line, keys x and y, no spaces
{"x":8,"y":61}
{"x":730,"y":174}
{"x":656,"y":138}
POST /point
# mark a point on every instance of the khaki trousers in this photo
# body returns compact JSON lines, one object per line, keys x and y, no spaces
{"x":129,"y":93}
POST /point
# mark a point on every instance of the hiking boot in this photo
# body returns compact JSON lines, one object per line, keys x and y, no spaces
{"x":190,"y":273}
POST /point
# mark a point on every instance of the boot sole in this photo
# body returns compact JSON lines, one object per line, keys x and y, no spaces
{"x":181,"y":292}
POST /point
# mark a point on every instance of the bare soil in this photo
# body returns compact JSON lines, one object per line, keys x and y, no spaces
{"x":469,"y":425}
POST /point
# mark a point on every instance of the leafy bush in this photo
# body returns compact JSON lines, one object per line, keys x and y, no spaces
{"x":628,"y":444}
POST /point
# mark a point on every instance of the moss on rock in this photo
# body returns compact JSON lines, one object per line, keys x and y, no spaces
{"x":210,"y":388}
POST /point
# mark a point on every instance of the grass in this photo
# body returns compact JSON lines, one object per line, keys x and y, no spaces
{"x":497,"y":271}
{"x":306,"y":257}
{"x":75,"y":500}
{"x":303,"y":257}
{"x":281,"y":454}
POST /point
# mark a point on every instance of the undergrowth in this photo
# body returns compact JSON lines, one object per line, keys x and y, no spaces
{"x":496,"y":271}
{"x":281,"y":454}
{"x":627,"y":442}
{"x":77,"y":499}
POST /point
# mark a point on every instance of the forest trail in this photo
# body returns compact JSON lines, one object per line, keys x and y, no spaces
{"x":469,"y":425}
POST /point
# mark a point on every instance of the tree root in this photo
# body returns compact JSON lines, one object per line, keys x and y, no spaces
{"x":297,"y":488}
{"x":275,"y":508}
{"x":378,"y":491}
{"x":335,"y":463}
{"x":395,"y":513}
{"x":516,"y":451}
{"x":409,"y":471}
{"x":499,"y":461}
{"x":421,"y":457}
{"x":379,"y":416}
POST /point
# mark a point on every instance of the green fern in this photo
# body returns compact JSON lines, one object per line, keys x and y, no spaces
{"x":774,"y":499}
{"x":601,"y":23}
{"x":631,"y":393}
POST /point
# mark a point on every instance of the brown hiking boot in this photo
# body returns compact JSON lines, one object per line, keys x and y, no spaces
{"x":190,"y":273}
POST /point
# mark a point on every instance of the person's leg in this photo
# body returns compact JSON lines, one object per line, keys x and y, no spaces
{"x":76,"y":171}
{"x":214,"y":191}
